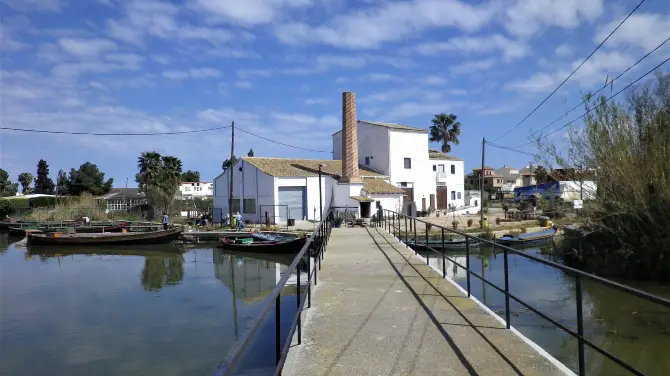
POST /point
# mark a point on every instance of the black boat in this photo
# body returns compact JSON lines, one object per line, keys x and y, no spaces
{"x":262,"y":246}
{"x":122,"y":238}
{"x":448,"y":244}
{"x":531,"y":238}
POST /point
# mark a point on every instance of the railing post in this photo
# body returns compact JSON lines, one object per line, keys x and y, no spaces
{"x":580,"y":326}
{"x":415,"y":252}
{"x":467,"y":263}
{"x":427,"y":250}
{"x":298,"y":305}
{"x":406,"y":232}
{"x":277,"y":329}
{"x":507,"y":312}
{"x":393,"y":224}
{"x":309,"y":276}
{"x":444,"y":264}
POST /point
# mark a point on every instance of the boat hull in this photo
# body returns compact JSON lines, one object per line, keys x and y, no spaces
{"x":535,"y":238}
{"x":124,"y":238}
{"x":448,"y":245}
{"x":284,"y":247}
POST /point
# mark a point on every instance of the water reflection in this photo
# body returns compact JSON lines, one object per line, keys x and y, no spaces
{"x":634,"y":330}
{"x":135,"y":311}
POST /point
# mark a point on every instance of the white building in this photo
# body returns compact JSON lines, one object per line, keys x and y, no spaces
{"x":448,"y":173}
{"x":200,"y":189}
{"x":511,"y":178}
{"x":290,"y":188}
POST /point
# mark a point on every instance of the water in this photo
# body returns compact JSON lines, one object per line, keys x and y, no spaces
{"x":166,"y":313}
{"x":628,"y":327}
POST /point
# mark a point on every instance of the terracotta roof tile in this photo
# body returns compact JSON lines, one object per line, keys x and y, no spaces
{"x":380,"y":186}
{"x":434,"y":154}
{"x":290,"y":167}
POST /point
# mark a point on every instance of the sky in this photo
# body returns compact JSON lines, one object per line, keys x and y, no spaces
{"x":278,"y":69}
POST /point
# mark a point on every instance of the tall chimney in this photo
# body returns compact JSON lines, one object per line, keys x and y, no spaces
{"x":349,"y":140}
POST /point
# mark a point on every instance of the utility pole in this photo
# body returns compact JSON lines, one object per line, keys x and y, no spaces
{"x":125,"y":205}
{"x":581,"y":182}
{"x":481,"y":187}
{"x":230,"y":181}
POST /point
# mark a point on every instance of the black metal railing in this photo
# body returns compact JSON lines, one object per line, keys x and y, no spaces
{"x":314,"y":249}
{"x":400,"y":226}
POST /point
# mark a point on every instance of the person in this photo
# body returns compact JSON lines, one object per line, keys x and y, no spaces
{"x":87,"y":221}
{"x":226,"y":220}
{"x":240,"y":221}
{"x":165,"y":221}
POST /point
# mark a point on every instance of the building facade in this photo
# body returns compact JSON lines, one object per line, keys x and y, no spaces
{"x":125,"y":200}
{"x":448,"y":173}
{"x":492,"y":180}
{"x":191,"y":190}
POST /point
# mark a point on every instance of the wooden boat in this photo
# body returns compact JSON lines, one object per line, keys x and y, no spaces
{"x":17,"y":231}
{"x":537,"y":237}
{"x":448,"y":244}
{"x":280,"y":246}
{"x":108,"y":238}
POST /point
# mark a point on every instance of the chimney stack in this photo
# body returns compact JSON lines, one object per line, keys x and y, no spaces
{"x":349,"y":140}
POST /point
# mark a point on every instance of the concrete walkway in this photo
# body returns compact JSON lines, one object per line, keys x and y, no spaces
{"x":379,"y":310}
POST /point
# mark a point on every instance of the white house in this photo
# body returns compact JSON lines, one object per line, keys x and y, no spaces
{"x":511,"y":178}
{"x":448,"y":173}
{"x":290,"y":188}
{"x":196,"y":189}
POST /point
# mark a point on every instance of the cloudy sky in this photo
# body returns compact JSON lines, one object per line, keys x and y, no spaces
{"x":278,"y":67}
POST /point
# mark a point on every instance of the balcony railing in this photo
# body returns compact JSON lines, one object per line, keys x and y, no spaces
{"x":441,"y":177}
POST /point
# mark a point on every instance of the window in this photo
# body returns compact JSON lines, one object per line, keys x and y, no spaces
{"x":250,"y":205}
{"x":403,"y":184}
{"x":440,"y":168}
{"x":453,"y":195}
{"x":453,"y":169}
{"x":434,"y":168}
{"x":236,"y":205}
{"x":459,"y":195}
{"x":367,"y":161}
{"x":408,"y":163}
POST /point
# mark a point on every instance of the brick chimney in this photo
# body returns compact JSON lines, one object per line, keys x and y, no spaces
{"x":349,"y":140}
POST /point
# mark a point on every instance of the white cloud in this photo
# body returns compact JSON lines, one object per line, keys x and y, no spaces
{"x":526,"y":18}
{"x":316,"y":101}
{"x":86,"y":49}
{"x":387,"y":22}
{"x":246,"y":12}
{"x":382,"y":77}
{"x":411,"y":109}
{"x":195,"y":73}
{"x":644,"y":30}
{"x":175,"y":75}
{"x":564,"y":50}
{"x":36,"y":5}
{"x":471,"y":67}
{"x":9,"y":27}
{"x":433,"y":80}
{"x":490,"y":44}
{"x":323,"y":63}
{"x":248,"y":73}
{"x":243,"y":84}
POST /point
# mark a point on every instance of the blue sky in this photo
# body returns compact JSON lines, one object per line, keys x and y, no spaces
{"x":278,"y":67}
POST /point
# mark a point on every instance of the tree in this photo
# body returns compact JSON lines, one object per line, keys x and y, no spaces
{"x":88,"y":178}
{"x":250,"y":153}
{"x":149,"y":164}
{"x":445,"y":129}
{"x":159,"y":178}
{"x":26,"y":179}
{"x":192,"y":176}
{"x":228,"y":163}
{"x":7,"y":188}
{"x":62,"y":184}
{"x":43,"y":183}
{"x":541,"y":174}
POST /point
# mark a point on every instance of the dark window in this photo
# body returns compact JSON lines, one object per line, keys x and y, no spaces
{"x":453,"y":169}
{"x":434,"y":168}
{"x":408,"y":163}
{"x":236,"y":205}
{"x":249,"y":205}
{"x":403,"y":184}
{"x":367,"y":161}
{"x":453,"y":195}
{"x":459,"y":195}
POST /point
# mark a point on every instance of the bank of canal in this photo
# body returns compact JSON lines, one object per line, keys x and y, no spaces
{"x":632,"y":329}
{"x":125,"y":314}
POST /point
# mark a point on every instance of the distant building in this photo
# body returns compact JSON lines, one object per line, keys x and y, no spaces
{"x":448,"y":173}
{"x":126,"y":199}
{"x":200,"y":189}
{"x":511,"y":178}
{"x":492,"y":180}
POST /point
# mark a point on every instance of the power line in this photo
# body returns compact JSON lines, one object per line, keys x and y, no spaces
{"x":510,"y":149}
{"x":598,"y":105}
{"x":602,"y":88}
{"x":573,"y":72}
{"x":281,"y":143}
{"x":110,"y":134}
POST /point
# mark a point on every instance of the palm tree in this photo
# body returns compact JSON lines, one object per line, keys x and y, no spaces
{"x":150,"y":166}
{"x":445,"y":129}
{"x":541,"y":174}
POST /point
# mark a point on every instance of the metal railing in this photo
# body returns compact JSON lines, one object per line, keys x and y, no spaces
{"x":393,"y":223}
{"x":314,"y":248}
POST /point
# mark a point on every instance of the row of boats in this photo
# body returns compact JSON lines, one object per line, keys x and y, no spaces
{"x":527,"y":239}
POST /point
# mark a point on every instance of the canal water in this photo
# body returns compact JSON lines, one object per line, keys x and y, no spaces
{"x":628,"y":327}
{"x":158,"y":310}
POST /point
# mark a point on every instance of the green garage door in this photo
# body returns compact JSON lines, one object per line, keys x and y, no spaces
{"x":294,"y":198}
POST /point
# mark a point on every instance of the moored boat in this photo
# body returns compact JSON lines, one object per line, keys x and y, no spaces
{"x":448,"y":244}
{"x":22,"y":231}
{"x":537,"y":237}
{"x":262,"y":246}
{"x":107,"y":238}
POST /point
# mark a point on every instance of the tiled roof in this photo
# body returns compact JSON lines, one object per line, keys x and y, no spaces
{"x":485,"y":168}
{"x":395,"y":126}
{"x":380,"y":186}
{"x":290,"y":167}
{"x":434,"y":154}
{"x":130,"y":193}
{"x":362,"y":199}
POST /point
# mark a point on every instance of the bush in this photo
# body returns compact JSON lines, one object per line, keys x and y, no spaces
{"x":454,"y":224}
{"x":470,"y":222}
{"x":524,"y":230}
{"x":6,"y":208}
{"x":487,"y":234}
{"x":497,"y":220}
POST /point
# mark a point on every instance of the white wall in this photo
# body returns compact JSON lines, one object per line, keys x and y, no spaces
{"x":570,"y":190}
{"x":337,"y":145}
{"x":387,"y":201}
{"x":373,"y":142}
{"x":455,"y":181}
{"x":415,"y":146}
{"x":248,"y":183}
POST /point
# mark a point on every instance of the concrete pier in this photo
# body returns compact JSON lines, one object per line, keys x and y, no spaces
{"x":380,"y":310}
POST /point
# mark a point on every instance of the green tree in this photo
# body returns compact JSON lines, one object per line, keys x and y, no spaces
{"x":250,"y":153}
{"x":26,"y":179}
{"x":159,"y":178}
{"x":62,"y":183}
{"x":160,"y":271}
{"x":43,"y":183}
{"x":7,"y":188}
{"x":228,"y":162}
{"x":541,"y":174}
{"x":192,"y":176}
{"x":88,"y":178}
{"x":445,"y":129}
{"x":150,"y":165}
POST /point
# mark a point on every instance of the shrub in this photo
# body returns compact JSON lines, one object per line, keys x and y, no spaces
{"x":6,"y":208}
{"x":470,"y":222}
{"x":497,"y":220}
{"x":524,"y":230}
{"x":454,"y":224}
{"x":487,"y":234}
